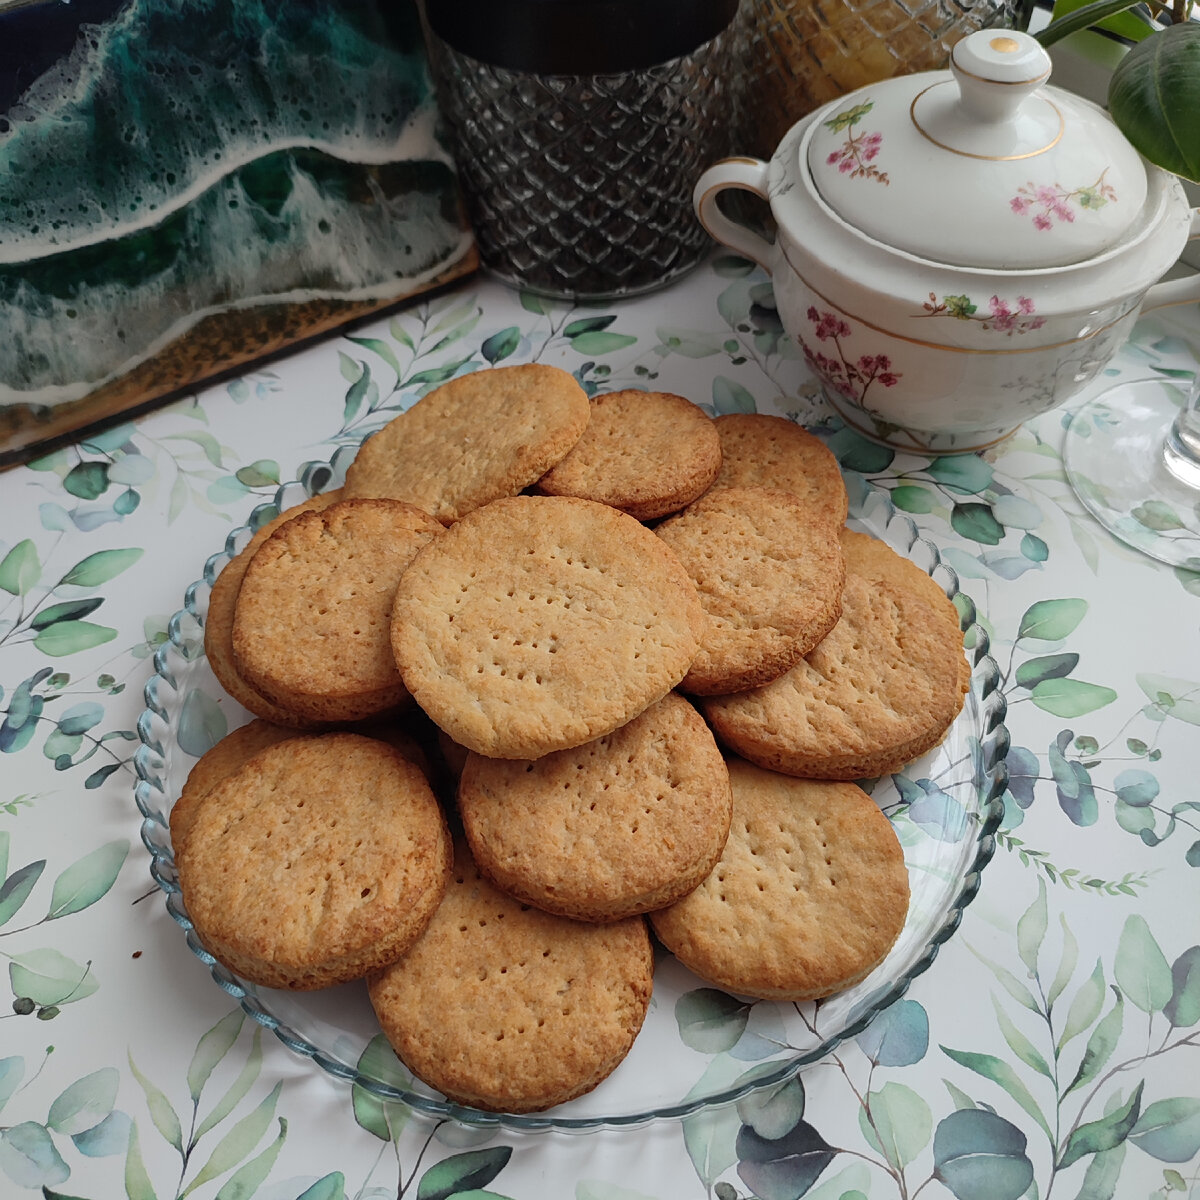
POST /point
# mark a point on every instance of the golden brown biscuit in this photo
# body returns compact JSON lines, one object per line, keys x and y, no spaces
{"x":880,"y":689}
{"x":474,"y":439}
{"x":506,"y":1008}
{"x":618,"y":826}
{"x":809,"y":894}
{"x":646,"y":453}
{"x":310,"y":627}
{"x":233,"y":751}
{"x":770,"y":580}
{"x":759,"y":450}
{"x":538,"y":623}
{"x":218,"y":621}
{"x":320,"y":859}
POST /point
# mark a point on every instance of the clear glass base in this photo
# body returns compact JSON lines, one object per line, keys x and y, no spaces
{"x":1133,"y":457}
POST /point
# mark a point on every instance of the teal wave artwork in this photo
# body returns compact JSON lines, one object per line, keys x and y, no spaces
{"x":179,"y":158}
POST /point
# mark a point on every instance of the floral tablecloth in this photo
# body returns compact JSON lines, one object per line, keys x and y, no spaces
{"x":1050,"y":1048}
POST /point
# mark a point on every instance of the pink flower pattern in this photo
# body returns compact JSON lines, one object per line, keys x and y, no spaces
{"x":1048,"y":204}
{"x":1008,"y":318}
{"x":848,"y":377}
{"x":856,"y":155}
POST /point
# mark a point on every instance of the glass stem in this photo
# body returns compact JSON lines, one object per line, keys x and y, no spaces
{"x":1181,"y":451}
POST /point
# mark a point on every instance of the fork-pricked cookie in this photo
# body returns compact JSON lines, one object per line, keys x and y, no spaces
{"x":761,"y":450}
{"x":504,"y":1007}
{"x":538,"y":623}
{"x":474,"y":439}
{"x":646,"y":453}
{"x":618,"y":826}
{"x":809,"y":895}
{"x":769,"y":578}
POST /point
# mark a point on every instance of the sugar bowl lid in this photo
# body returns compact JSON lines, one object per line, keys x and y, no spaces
{"x":983,"y":165}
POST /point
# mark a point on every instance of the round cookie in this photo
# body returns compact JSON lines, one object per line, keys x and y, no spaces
{"x":615,"y":827}
{"x":310,"y":627}
{"x":770,"y":580}
{"x":809,"y":895}
{"x":538,"y":623}
{"x":218,"y":621}
{"x":646,"y":453}
{"x":474,"y":439}
{"x":233,"y":751}
{"x":322,"y":858}
{"x":880,"y":689}
{"x":760,"y":450}
{"x":506,"y":1008}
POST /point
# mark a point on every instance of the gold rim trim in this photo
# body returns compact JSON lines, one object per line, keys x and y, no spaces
{"x":900,"y":337}
{"x":912,"y":114}
{"x":1033,"y":79}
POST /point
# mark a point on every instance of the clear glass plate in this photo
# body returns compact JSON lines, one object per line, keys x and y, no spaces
{"x":699,"y":1047}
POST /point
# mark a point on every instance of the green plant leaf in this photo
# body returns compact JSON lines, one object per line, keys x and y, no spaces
{"x":463,"y":1172}
{"x":238,"y":1142}
{"x":1183,"y":1008}
{"x":20,"y":569}
{"x":976,"y":522}
{"x":1140,"y":967}
{"x":1070,"y":697}
{"x":85,"y":1103}
{"x":1109,"y":1131}
{"x":102,"y":566}
{"x":16,"y":888}
{"x":1002,"y":1073}
{"x":85,"y":881}
{"x":501,"y":345}
{"x":1048,"y":666}
{"x":1154,"y":98}
{"x":237,"y":1089}
{"x":710,"y":1020}
{"x":86,"y":480}
{"x":211,"y":1049}
{"x":1051,"y":620}
{"x":164,"y":1116}
{"x":49,"y":978}
{"x":979,"y":1155}
{"x":912,"y":498}
{"x":1104,"y":14}
{"x":896,"y":1122}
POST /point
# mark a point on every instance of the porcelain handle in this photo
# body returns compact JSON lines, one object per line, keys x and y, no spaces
{"x":1176,"y":291}
{"x":743,"y":174}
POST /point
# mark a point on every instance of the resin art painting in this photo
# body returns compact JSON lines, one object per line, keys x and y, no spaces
{"x":189,"y":185}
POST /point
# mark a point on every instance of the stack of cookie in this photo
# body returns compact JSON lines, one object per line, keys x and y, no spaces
{"x":546,"y":674}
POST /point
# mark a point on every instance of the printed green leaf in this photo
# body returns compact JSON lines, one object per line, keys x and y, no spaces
{"x":910,"y":497}
{"x":237,"y":1089}
{"x":588,"y":325}
{"x":356,"y":393}
{"x":29,"y":1157}
{"x":1070,"y":697}
{"x":16,"y":888}
{"x":1034,"y":548}
{"x":1140,"y":968}
{"x":896,"y":1122}
{"x":1183,"y":1008}
{"x":731,"y":397}
{"x":710,"y":1020}
{"x":350,"y":368}
{"x":1031,"y":930}
{"x":975,"y":521}
{"x":4,"y":845}
{"x":782,"y":1168}
{"x":1100,"y":1045}
{"x":1051,"y":620}
{"x":380,"y":347}
{"x":710,"y":1135}
{"x":1109,"y":1131}
{"x":383,"y":1118}
{"x":898,"y":1037}
{"x":1157,"y":515}
{"x":85,"y":881}
{"x":538,"y":305}
{"x":456,"y":334}
{"x":690,"y":343}
{"x":245,"y":1181}
{"x":264,"y":472}
{"x":1179,"y":698}
{"x":1066,"y":964}
{"x":960,"y":1098}
{"x":108,"y":1136}
{"x":211,"y":1049}
{"x":165,"y":1119}
{"x":20,"y":569}
{"x":1011,"y":984}
{"x":85,"y":1103}
{"x":601,"y":343}
{"x":501,"y":345}
{"x":981,"y":1156}
{"x":773,"y":1112}
{"x":1169,"y":1130}
{"x":238,"y":1142}
{"x":1002,"y":1073}
{"x":1020,"y":1045}
{"x":965,"y":473}
{"x":49,"y":978}
{"x":1136,"y":787}
{"x":101,"y":567}
{"x":1048,"y":666}
{"x":12,"y":1070}
{"x":86,"y":480}
{"x":69,"y":610}
{"x":328,"y":1187}
{"x":202,"y":723}
{"x":462,"y":1172}
{"x":198,"y":437}
{"x":137,"y":1180}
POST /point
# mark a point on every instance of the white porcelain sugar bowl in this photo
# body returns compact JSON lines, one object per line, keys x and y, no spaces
{"x":958,"y":251}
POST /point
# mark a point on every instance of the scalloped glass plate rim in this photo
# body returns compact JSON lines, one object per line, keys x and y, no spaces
{"x":985,"y":707}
